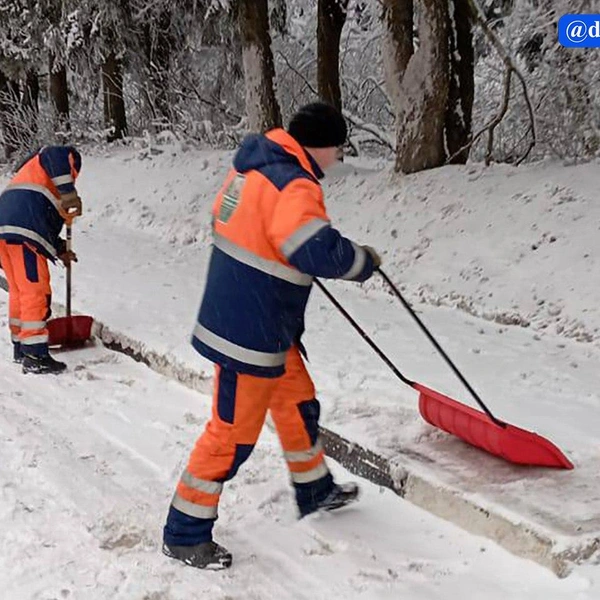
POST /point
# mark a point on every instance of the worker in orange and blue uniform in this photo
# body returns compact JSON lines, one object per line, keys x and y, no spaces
{"x":271,"y":236}
{"x":33,"y":209}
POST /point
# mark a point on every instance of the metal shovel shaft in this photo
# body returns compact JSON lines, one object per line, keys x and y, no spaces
{"x":364,"y":335}
{"x":69,"y":246}
{"x":430,"y":337}
{"x":69,"y":330}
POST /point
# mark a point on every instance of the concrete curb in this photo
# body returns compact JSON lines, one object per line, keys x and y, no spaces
{"x":166,"y":365}
{"x":525,"y":539}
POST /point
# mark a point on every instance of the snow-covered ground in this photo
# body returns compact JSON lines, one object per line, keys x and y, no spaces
{"x":89,"y":461}
{"x":518,"y":245}
{"x":93,"y":456}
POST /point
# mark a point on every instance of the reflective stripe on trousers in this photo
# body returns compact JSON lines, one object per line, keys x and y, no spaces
{"x":240,"y":404}
{"x":28,"y":293}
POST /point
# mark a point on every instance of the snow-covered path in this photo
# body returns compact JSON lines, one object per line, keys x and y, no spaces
{"x":89,"y":460}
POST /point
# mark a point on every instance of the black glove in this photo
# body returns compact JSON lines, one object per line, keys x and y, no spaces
{"x":67,"y":257}
{"x":71,"y":204}
{"x":61,"y":246}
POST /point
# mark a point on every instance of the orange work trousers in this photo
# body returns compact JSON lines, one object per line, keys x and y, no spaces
{"x":29,"y":295}
{"x":240,"y":404}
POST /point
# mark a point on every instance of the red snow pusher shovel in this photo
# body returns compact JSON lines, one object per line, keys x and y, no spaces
{"x":480,"y":429}
{"x":69,"y":330}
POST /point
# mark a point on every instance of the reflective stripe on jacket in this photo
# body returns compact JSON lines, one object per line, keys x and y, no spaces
{"x":271,"y":236}
{"x":29,"y":206}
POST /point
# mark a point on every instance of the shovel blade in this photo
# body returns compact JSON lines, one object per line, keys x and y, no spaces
{"x":511,"y":443}
{"x":69,"y":331}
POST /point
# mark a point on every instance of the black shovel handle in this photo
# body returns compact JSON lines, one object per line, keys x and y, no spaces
{"x":439,"y":348}
{"x":68,"y":266}
{"x":364,"y":335}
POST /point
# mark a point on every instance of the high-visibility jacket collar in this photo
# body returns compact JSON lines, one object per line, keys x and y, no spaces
{"x":275,"y":148}
{"x":291,"y":146}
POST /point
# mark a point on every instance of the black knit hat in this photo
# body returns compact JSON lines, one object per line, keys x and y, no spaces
{"x":318,"y":125}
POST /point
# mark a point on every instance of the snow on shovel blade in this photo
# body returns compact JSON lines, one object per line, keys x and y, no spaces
{"x":69,"y":331}
{"x":476,"y":428}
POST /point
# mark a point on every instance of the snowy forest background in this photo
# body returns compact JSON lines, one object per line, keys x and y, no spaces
{"x":426,"y":81}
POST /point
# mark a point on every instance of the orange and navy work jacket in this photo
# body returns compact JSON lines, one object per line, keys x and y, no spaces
{"x":30,"y":205}
{"x":271,"y":236}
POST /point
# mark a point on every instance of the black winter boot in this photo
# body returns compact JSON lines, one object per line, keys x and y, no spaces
{"x":17,"y":353}
{"x":208,"y":555}
{"x":340,"y":495}
{"x":41,"y":365}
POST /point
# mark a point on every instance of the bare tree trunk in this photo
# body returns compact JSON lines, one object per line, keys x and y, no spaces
{"x":462,"y":84}
{"x":30,"y":103}
{"x":9,"y":104}
{"x":259,"y":71}
{"x":158,"y":45}
{"x":330,"y":22}
{"x":115,"y":119}
{"x":419,"y":88}
{"x":278,"y":16}
{"x":397,"y":44}
{"x":59,"y":94}
{"x":31,"y":92}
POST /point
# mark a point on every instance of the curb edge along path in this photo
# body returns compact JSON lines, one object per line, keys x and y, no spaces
{"x":525,"y":539}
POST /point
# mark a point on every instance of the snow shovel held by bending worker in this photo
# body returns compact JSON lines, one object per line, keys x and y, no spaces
{"x":69,"y":330}
{"x":480,"y":429}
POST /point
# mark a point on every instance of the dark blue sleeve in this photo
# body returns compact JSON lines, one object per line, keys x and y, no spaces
{"x":330,"y":255}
